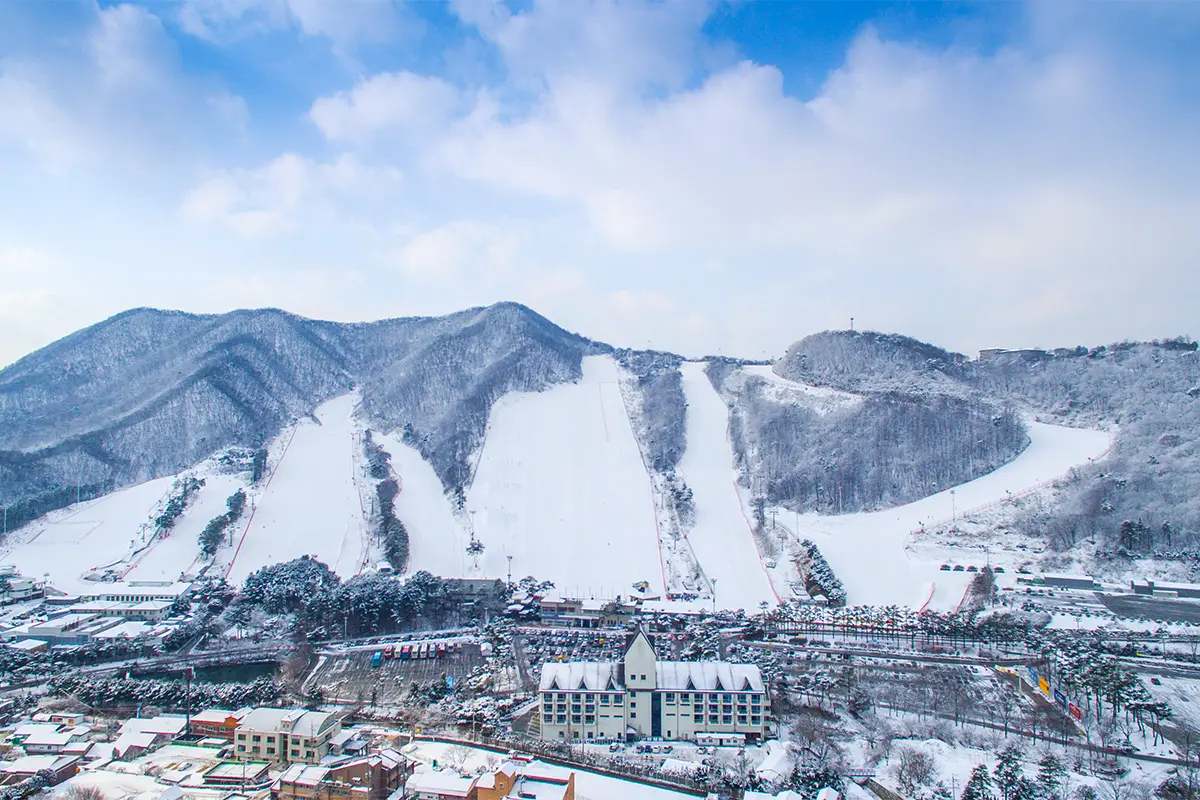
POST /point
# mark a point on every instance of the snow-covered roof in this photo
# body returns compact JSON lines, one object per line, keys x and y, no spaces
{"x":707,"y":676}
{"x":304,"y":774}
{"x":217,"y":716}
{"x":28,"y":765}
{"x":534,"y":789}
{"x":592,"y":676}
{"x":671,"y":676}
{"x":163,"y":724}
{"x":27,"y":729}
{"x":29,"y":644}
{"x":442,"y":781}
{"x":127,"y":741}
{"x":290,"y":720}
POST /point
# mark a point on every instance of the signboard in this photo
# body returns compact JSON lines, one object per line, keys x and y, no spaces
{"x":1060,"y":698}
{"x":1075,"y":711}
{"x":1043,"y":686}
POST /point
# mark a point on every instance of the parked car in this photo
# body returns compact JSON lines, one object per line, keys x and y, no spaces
{"x":389,"y":651}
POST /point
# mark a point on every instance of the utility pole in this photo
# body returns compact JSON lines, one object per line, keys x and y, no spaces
{"x":852,"y":324}
{"x":510,"y":573}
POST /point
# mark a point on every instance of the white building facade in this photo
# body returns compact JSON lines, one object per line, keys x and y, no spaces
{"x":642,"y":697}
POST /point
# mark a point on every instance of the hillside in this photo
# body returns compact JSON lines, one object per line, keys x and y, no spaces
{"x":639,"y":467}
{"x":149,"y":393}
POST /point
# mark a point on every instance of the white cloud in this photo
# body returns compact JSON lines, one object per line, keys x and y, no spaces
{"x":459,"y":249}
{"x":274,"y":198}
{"x":130,"y":48}
{"x":344,"y":24}
{"x":394,"y":102}
{"x":32,"y":119}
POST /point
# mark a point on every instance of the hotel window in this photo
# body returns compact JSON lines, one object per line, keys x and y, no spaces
{"x":590,"y":719}
{"x":603,"y":699}
{"x":670,"y":697}
{"x":575,"y":698}
{"x":562,"y":719}
{"x":756,"y":699}
{"x":712,"y":719}
{"x":591,"y":698}
{"x":741,"y":720}
{"x":685,"y":698}
{"x":575,"y":719}
{"x":699,"y":718}
{"x":727,"y":719}
{"x":755,"y":720}
{"x":726,"y":698}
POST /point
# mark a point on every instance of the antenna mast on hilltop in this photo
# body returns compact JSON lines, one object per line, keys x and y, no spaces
{"x":852,"y":324}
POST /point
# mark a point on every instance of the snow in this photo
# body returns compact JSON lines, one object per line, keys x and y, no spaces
{"x":588,"y":785}
{"x":820,"y":399}
{"x":721,"y":538}
{"x":561,"y":487}
{"x":179,"y":550}
{"x":66,"y":544}
{"x":869,"y":551}
{"x":436,"y":538}
{"x":311,"y":504}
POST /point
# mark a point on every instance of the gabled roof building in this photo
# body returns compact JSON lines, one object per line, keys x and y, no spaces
{"x":642,"y":697}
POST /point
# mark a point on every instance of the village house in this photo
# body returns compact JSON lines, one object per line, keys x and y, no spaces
{"x":372,"y":777}
{"x":285,"y":736}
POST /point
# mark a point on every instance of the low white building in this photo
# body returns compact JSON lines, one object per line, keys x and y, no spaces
{"x":285,"y":735}
{"x":642,"y":697}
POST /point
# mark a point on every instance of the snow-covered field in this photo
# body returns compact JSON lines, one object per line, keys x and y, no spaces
{"x":436,"y":539}
{"x":179,"y":551}
{"x":311,"y":506}
{"x":65,"y":544}
{"x":869,"y":551}
{"x":561,"y":488}
{"x":820,"y":399}
{"x":721,"y":538}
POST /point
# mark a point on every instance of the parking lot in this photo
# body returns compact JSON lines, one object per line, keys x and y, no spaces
{"x":349,"y":676}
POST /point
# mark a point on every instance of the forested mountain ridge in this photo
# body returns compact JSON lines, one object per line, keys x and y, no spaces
{"x":148,"y":393}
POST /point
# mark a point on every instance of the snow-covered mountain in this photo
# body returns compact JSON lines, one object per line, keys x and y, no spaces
{"x":149,"y":393}
{"x":493,"y":436}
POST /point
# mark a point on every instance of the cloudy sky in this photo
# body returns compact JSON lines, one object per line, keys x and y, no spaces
{"x":697,"y":177}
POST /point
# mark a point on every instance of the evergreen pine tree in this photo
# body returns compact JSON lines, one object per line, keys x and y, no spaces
{"x":979,"y":785}
{"x":1008,"y":772}
{"x":1050,"y":776}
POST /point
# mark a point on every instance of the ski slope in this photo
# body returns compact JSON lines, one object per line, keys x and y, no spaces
{"x":561,"y":488}
{"x":437,"y":542}
{"x":179,"y":551}
{"x":868,"y":553}
{"x":721,"y":539}
{"x":311,"y":504}
{"x":64,"y":545}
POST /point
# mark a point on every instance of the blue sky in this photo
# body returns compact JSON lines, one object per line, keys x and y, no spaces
{"x":701,"y":177}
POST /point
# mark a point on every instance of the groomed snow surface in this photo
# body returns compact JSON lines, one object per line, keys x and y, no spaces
{"x":868,"y":553}
{"x":179,"y":551}
{"x":721,"y":539}
{"x":561,"y":488}
{"x":436,"y":538}
{"x":66,"y":544}
{"x":311,"y":504}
